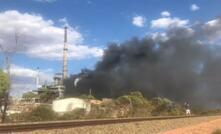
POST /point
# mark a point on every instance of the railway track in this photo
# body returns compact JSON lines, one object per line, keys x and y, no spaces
{"x":21,"y":127}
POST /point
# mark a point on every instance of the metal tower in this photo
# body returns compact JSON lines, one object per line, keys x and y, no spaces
{"x":65,"y":56}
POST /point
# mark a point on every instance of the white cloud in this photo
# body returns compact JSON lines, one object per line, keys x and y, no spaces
{"x":212,"y":30}
{"x":194,"y":7}
{"x":40,"y":38}
{"x":23,"y":79}
{"x":19,"y":71}
{"x":64,"y":22}
{"x":165,"y":14}
{"x":212,"y":23}
{"x":168,"y":22}
{"x":74,"y":51}
{"x":139,"y":21}
{"x":17,"y":89}
{"x":184,"y":32}
{"x":159,"y":36}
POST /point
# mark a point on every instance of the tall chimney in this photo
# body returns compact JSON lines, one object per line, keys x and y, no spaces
{"x":65,"y":55}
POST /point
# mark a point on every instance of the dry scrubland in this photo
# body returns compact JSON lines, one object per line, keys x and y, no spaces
{"x":133,"y":104}
{"x":147,"y":127}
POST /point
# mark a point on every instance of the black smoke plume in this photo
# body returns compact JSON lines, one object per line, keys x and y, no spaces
{"x":183,"y":67}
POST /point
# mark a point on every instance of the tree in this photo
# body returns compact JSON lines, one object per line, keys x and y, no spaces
{"x":47,"y":95}
{"x":4,"y":87}
{"x":8,"y":51}
{"x":41,"y":113}
{"x":164,"y":106}
{"x":29,"y":95}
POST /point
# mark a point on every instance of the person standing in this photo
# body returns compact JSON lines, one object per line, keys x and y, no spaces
{"x":187,"y":107}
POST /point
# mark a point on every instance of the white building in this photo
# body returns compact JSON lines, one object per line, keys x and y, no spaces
{"x":70,"y":104}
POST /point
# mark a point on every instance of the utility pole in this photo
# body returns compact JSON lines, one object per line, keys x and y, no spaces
{"x":5,"y":102}
{"x":8,"y":53}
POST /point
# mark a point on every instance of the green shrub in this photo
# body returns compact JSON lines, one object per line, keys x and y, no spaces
{"x":164,"y":106}
{"x":107,"y":109}
{"x":135,"y":98}
{"x":176,"y":111}
{"x":137,"y":104}
{"x":137,"y":93}
{"x":207,"y":111}
{"x":18,"y":117}
{"x":29,"y":95}
{"x":98,"y":111}
{"x":41,"y":113}
{"x":76,"y":114}
{"x":138,"y":100}
{"x":123,"y":100}
{"x":90,"y":97}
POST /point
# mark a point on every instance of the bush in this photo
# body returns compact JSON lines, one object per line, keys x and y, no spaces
{"x":138,"y":100}
{"x":41,"y":113}
{"x":123,"y":100}
{"x":98,"y":111}
{"x":137,"y":93}
{"x":76,"y":114}
{"x":135,"y":98}
{"x":89,"y":97}
{"x":164,"y":106}
{"x":107,"y":109}
{"x":206,"y":111}
{"x":136,"y":104}
{"x":29,"y":95}
{"x":18,"y":117}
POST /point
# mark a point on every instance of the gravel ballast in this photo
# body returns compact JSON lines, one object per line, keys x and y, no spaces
{"x":146,"y":127}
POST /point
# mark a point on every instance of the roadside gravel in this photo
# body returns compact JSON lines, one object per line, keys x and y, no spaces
{"x":146,"y":127}
{"x":202,"y":128}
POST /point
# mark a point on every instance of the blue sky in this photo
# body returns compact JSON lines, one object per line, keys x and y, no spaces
{"x":93,"y":24}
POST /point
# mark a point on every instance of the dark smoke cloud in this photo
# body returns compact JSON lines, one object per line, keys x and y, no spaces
{"x":182,"y":68}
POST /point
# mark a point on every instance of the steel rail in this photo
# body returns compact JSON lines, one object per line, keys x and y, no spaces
{"x":21,"y":127}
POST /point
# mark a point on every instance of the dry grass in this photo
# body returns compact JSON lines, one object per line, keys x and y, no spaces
{"x":147,"y":127}
{"x":217,"y":131}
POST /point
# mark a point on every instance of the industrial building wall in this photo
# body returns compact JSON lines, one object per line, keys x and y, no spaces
{"x":70,"y":104}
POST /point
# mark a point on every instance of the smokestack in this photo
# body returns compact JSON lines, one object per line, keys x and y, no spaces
{"x":65,"y":56}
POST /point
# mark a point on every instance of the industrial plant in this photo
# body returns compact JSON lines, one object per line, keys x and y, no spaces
{"x":53,"y":93}
{"x":57,"y":87}
{"x":110,"y":67}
